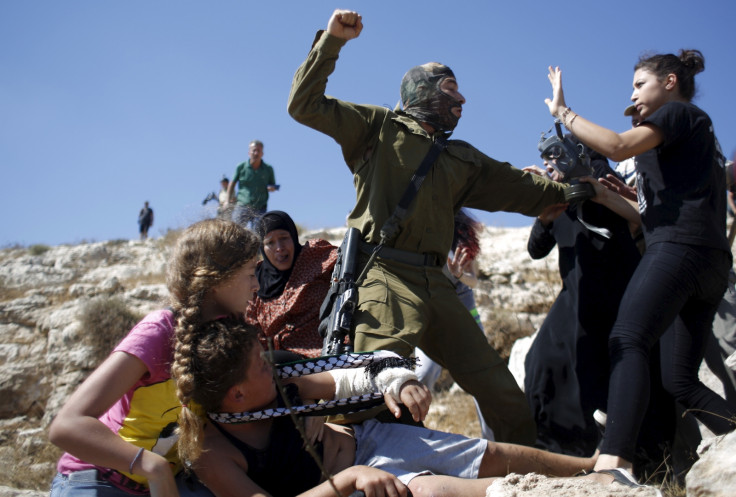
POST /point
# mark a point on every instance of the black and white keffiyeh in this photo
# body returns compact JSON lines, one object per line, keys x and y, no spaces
{"x":374,"y":362}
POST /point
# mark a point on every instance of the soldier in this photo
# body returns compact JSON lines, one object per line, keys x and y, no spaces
{"x":405,"y":300}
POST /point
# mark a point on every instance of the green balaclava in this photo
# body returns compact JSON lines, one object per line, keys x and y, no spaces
{"x":422,"y":98}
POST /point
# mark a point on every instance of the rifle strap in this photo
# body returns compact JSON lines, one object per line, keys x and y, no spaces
{"x":391,"y":227}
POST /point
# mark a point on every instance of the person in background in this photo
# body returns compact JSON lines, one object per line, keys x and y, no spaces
{"x":683,"y":273}
{"x":254,"y":179}
{"x":627,"y":167}
{"x":224,"y":202}
{"x":730,"y":191}
{"x":723,"y":343}
{"x":293,"y":280}
{"x":145,"y":220}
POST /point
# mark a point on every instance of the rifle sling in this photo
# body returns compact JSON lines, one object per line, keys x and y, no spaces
{"x":391,"y":227}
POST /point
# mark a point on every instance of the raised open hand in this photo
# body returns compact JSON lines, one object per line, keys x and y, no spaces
{"x":557,"y":103}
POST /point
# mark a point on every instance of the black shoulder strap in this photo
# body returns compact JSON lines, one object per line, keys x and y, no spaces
{"x":391,"y":227}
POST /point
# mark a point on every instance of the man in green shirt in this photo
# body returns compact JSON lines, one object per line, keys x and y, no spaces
{"x":255,"y":179}
{"x":405,"y":299}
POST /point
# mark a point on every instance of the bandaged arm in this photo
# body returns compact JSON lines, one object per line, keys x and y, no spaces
{"x":386,"y":376}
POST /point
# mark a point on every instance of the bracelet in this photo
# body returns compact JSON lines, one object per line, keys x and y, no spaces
{"x":563,"y":117}
{"x":135,"y":460}
{"x":569,"y":126}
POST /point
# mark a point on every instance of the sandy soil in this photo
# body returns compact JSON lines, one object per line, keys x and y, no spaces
{"x":534,"y":485}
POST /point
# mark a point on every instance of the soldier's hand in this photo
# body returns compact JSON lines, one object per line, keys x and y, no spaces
{"x":345,"y":24}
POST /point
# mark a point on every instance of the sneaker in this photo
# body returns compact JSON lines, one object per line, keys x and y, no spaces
{"x":600,"y":419}
{"x":623,"y":477}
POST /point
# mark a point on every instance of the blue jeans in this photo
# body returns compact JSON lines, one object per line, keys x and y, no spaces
{"x":85,"y":484}
{"x":89,"y":484}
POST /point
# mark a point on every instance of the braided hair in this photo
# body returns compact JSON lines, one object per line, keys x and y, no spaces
{"x":206,"y":254}
{"x":218,"y":353}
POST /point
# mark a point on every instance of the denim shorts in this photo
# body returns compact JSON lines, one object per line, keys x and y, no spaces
{"x":410,"y":451}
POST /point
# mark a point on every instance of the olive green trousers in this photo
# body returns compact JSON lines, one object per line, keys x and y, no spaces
{"x":401,"y":307}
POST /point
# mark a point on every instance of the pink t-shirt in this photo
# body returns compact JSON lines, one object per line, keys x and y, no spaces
{"x":146,"y":415}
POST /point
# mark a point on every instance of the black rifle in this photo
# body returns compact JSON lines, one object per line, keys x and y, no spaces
{"x":341,"y":298}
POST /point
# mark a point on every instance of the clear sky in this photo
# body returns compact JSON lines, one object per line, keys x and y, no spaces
{"x":106,"y":104}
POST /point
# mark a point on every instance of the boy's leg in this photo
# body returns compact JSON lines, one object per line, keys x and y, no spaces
{"x":501,"y":459}
{"x":448,"y":486}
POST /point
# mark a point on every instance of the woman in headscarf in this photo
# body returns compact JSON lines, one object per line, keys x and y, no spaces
{"x":294,"y":280}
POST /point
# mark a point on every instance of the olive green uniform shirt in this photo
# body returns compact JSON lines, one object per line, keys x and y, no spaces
{"x":383,"y":149}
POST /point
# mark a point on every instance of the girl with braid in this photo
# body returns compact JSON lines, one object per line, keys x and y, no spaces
{"x":239,"y":446}
{"x":118,"y":427}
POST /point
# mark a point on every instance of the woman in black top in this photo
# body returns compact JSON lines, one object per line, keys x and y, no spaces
{"x":683,"y":273}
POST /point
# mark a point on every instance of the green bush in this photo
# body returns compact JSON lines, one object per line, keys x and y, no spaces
{"x":38,"y":249}
{"x":105,"y":321}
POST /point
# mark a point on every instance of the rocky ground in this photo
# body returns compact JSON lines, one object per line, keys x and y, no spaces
{"x":62,"y":308}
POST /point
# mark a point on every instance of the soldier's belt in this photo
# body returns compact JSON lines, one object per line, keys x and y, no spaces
{"x":403,"y":256}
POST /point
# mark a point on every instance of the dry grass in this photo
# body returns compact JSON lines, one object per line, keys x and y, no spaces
{"x":144,"y":279}
{"x":169,"y":238}
{"x":26,"y":461}
{"x":10,"y":293}
{"x":504,"y":328}
{"x":673,"y":490}
{"x":452,"y":409}
{"x":105,"y":321}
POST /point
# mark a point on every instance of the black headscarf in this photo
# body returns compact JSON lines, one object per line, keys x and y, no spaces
{"x":272,"y":281}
